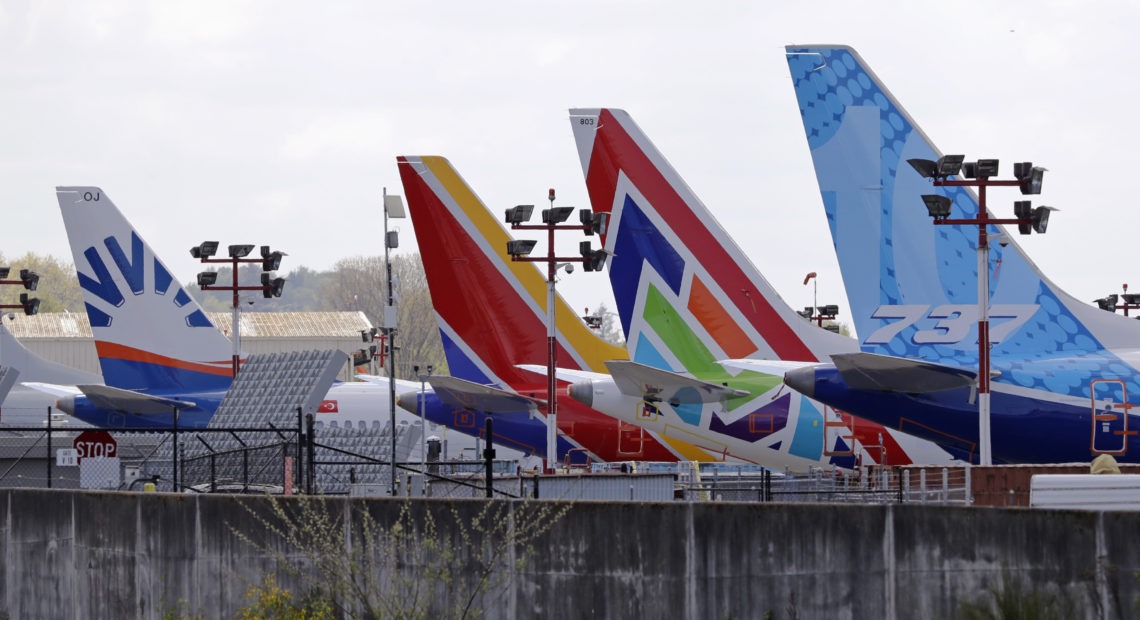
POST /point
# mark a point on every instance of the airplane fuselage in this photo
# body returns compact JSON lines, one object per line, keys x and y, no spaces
{"x":347,"y":405}
{"x":584,"y":433}
{"x":1027,"y":425}
{"x":776,"y":428}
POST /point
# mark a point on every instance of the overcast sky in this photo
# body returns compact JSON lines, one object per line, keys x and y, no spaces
{"x":279,"y":122}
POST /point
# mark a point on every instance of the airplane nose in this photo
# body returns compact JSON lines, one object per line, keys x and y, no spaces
{"x":801,"y":380}
{"x":66,"y":405}
{"x":409,"y":401}
{"x":583,"y":392}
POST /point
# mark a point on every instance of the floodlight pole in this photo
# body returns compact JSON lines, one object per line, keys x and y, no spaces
{"x":815,"y":299}
{"x":551,"y":352}
{"x":423,"y":430}
{"x":388,"y":322}
{"x":391,"y":342}
{"x":236,"y":321}
{"x":423,"y":377}
{"x":553,"y":264}
{"x":816,"y":314}
{"x":982,"y":220}
{"x":235,"y":288}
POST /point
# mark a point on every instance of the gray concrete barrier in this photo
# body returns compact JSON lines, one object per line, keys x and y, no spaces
{"x":70,"y":554}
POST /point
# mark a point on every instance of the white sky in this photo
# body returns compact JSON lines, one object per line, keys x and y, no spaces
{"x":279,"y":122}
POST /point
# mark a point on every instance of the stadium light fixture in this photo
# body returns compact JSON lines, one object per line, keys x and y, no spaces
{"x":207,"y":278}
{"x":240,"y":250}
{"x":937,"y":205}
{"x":205,"y":250}
{"x":30,"y":279}
{"x":1107,"y":303}
{"x":520,"y":247}
{"x":519,"y":214}
{"x":31,"y":305}
{"x":556,"y":215}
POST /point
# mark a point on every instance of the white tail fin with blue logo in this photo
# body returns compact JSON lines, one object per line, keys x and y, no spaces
{"x":149,"y":332}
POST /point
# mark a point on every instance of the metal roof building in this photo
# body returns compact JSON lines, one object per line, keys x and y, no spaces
{"x":65,"y":337}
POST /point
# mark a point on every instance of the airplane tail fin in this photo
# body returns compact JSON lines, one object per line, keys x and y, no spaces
{"x":912,"y":285}
{"x":491,"y":311}
{"x":149,"y":333}
{"x":686,"y":293}
{"x":674,"y":266}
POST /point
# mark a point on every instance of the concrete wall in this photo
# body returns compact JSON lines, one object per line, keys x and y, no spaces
{"x":100,"y":555}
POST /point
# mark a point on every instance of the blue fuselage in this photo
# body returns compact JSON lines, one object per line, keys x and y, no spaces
{"x":519,"y":430}
{"x":205,"y":404}
{"x":1023,"y":429}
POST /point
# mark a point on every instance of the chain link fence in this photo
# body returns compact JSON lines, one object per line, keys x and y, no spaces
{"x":317,"y":460}
{"x":236,"y":459}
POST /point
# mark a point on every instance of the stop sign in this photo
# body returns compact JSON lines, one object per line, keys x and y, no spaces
{"x":96,"y":444}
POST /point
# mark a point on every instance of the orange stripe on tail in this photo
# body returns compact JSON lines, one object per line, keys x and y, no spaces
{"x":722,"y":327}
{"x":130,"y":354}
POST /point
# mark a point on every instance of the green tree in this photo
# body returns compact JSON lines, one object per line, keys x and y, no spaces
{"x":419,"y":338}
{"x":609,"y":328}
{"x":425,"y":560}
{"x":303,"y":291}
{"x":360,"y":283}
{"x":357,"y":283}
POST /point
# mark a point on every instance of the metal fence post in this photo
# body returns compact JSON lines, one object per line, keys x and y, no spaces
{"x":49,"y":473}
{"x":489,"y":457}
{"x":312,"y":456}
{"x":300,"y":449}
{"x":174,"y":481}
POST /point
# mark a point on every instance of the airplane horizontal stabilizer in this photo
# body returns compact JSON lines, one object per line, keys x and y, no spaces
{"x":767,"y":367}
{"x":461,"y":393}
{"x":571,"y":375}
{"x":654,"y":385}
{"x":131,"y":402}
{"x":52,"y":388}
{"x":869,"y":371}
{"x":402,"y":385}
